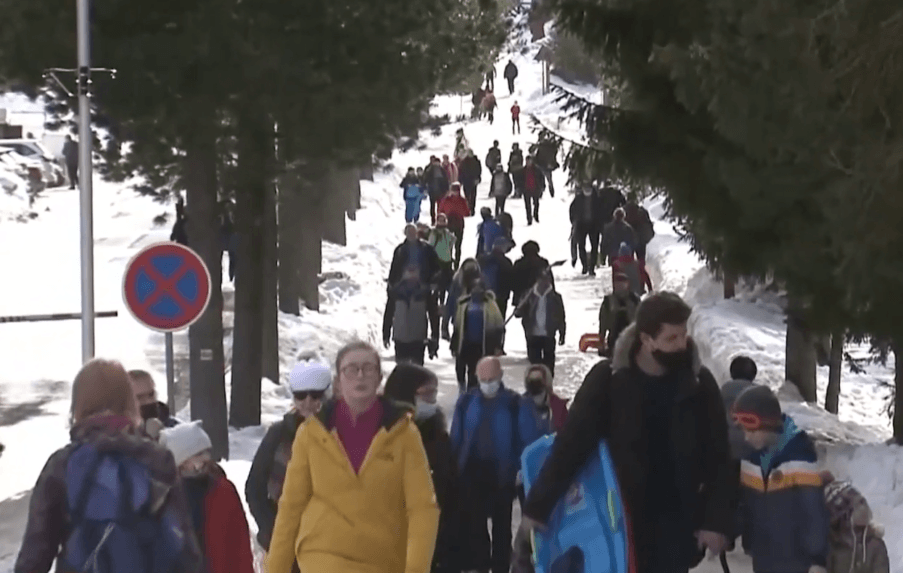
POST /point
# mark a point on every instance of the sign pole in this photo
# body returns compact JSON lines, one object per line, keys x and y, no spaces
{"x":86,"y":200}
{"x":170,"y":375}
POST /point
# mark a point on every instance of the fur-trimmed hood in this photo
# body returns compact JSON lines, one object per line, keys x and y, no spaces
{"x":622,"y":358}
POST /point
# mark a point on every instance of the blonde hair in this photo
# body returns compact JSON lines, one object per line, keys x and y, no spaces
{"x":102,"y":386}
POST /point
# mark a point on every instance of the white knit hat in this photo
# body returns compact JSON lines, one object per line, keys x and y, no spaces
{"x":306,"y":376}
{"x":185,"y":440}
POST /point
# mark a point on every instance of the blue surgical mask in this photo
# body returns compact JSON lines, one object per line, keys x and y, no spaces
{"x":491,"y":388}
{"x":424,"y":410}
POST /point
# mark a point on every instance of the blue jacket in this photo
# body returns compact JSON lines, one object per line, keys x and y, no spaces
{"x":783,"y":514}
{"x":513,"y":425}
{"x":487,"y":232}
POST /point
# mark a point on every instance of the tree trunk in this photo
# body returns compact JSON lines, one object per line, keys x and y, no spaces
{"x":799,"y":357}
{"x":289,"y":245}
{"x":206,"y":359}
{"x":270,"y":342}
{"x":335,"y":202}
{"x":367,"y":171}
{"x":897,"y":346}
{"x":832,"y":394}
{"x":247,"y":348}
{"x":354,"y":181}
{"x":310,"y":246}
{"x":730,"y":286}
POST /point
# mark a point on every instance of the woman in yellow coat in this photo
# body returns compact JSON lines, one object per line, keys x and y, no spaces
{"x":358,"y":494}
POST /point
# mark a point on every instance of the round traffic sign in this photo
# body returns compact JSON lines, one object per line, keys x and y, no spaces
{"x":166,"y":287}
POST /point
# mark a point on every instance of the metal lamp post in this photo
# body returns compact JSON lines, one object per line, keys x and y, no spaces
{"x":86,"y":190}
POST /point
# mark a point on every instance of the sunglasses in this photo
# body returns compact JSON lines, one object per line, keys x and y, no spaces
{"x":315,"y":394}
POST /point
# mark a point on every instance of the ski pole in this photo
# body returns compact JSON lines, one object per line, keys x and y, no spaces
{"x":723,"y":559}
{"x":524,"y":301}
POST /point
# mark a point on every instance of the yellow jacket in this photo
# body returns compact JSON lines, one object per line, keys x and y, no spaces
{"x":382,"y":520}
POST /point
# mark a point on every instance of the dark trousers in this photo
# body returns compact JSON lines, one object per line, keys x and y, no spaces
{"x":466,"y":365}
{"x":72,"y":169}
{"x":640,"y":252}
{"x":541,"y":350}
{"x":433,"y":202}
{"x":459,"y":239}
{"x":510,"y":85}
{"x":470,"y":193}
{"x":478,"y":550}
{"x":515,"y":125}
{"x":551,"y":184}
{"x":500,"y":205}
{"x":409,"y":352}
{"x":491,"y":114}
{"x":581,"y":233}
{"x":532,"y":213}
{"x":446,"y":275}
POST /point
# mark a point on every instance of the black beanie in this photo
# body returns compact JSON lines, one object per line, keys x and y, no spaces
{"x":760,"y":401}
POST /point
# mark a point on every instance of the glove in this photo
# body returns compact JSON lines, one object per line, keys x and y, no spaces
{"x":561,"y":339}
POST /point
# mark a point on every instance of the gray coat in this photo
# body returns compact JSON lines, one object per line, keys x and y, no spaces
{"x":407,"y":317}
{"x":615,"y":233}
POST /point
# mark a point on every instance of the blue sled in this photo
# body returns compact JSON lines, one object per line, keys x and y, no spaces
{"x":587,"y":531}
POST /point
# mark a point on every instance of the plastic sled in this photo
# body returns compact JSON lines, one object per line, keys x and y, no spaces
{"x":590,"y":340}
{"x":589,"y":520}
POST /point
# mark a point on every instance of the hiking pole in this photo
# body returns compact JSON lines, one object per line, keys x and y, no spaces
{"x":521,"y":303}
{"x":723,"y":559}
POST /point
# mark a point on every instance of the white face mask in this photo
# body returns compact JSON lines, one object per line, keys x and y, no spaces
{"x":490,"y":389}
{"x":424,"y":410}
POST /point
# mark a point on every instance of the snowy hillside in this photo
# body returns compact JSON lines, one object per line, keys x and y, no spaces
{"x":41,"y":359}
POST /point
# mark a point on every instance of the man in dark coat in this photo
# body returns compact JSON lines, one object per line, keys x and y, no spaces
{"x":70,"y":155}
{"x":527,"y":270}
{"x":661,"y":413}
{"x":510,"y":74}
{"x":610,"y":198}
{"x":413,"y":252}
{"x":585,"y":225}
{"x":534,"y":183}
{"x":436,"y":180}
{"x":469,"y":175}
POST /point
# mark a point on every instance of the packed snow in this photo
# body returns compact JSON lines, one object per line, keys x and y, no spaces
{"x":43,"y":357}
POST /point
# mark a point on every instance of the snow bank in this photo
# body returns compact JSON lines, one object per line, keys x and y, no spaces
{"x":752,"y":324}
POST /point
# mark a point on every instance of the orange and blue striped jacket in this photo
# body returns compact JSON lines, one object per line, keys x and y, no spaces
{"x":783,"y":515}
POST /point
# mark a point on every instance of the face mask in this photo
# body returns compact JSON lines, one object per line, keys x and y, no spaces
{"x":149,"y":411}
{"x":424,"y":410}
{"x":535,"y":386}
{"x":478,"y":295}
{"x":490,"y":389}
{"x":672,"y":360}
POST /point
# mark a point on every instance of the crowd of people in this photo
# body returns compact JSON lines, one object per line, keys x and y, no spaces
{"x":365,"y":476}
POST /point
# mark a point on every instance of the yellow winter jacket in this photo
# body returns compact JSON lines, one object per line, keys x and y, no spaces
{"x":382,"y":520}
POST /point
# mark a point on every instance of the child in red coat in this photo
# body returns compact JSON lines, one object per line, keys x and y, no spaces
{"x":216,"y":509}
{"x":635,"y":270}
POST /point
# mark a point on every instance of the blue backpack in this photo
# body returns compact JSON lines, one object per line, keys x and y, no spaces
{"x":114,"y":526}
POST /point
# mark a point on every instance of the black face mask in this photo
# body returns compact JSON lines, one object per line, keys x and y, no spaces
{"x":149,"y":411}
{"x":672,"y":361}
{"x":478,"y":296}
{"x":535,"y":387}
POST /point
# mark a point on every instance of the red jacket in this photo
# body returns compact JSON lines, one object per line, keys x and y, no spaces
{"x":454,"y":206}
{"x":227,"y":540}
{"x":515,"y":111}
{"x":559,"y":407}
{"x":451,"y":169}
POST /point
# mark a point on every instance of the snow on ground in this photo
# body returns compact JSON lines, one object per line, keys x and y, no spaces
{"x":35,"y":381}
{"x":752,"y":324}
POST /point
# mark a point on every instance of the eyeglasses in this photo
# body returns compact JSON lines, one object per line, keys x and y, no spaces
{"x":368,"y":369}
{"x":314,"y":394}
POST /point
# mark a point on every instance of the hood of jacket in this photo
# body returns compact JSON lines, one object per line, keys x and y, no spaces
{"x":625,"y":349}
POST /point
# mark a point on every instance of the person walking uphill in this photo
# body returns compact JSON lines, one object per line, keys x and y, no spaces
{"x":413,"y":252}
{"x":534,"y":183}
{"x":410,"y":309}
{"x":308,"y":383}
{"x":487,"y":442}
{"x":216,"y":510}
{"x":542,"y":312}
{"x":418,"y":388}
{"x":79,"y":493}
{"x":437,"y":185}
{"x":456,"y":209}
{"x":358,"y":494}
{"x":615,"y":233}
{"x":585,"y":213}
{"x":489,"y":104}
{"x":661,"y":414}
{"x":487,"y":232}
{"x":493,"y":157}
{"x":510,"y":74}
{"x":515,"y":119}
{"x":445,"y":243}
